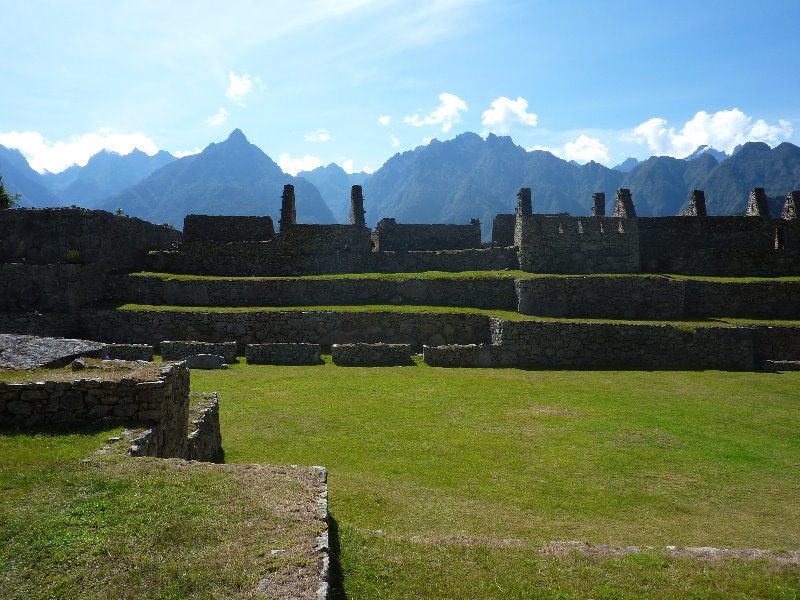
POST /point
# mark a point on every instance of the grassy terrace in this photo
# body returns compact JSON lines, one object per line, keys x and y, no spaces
{"x":451,"y":483}
{"x":410,"y":309}
{"x":458,"y":276}
{"x":74,"y":524}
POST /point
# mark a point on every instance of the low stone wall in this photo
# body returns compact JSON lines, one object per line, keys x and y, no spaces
{"x":208,"y":228}
{"x":127,"y":352}
{"x":283,"y":354}
{"x":470,"y":355}
{"x":165,"y":403}
{"x":624,"y":345}
{"x":260,"y":327}
{"x":478,"y":293}
{"x":205,"y":437}
{"x":371,"y":355}
{"x":178,"y":350}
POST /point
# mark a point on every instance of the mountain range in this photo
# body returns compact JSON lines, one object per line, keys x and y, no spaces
{"x":441,"y":182}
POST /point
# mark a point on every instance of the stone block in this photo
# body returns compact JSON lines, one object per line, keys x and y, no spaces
{"x":206,"y":361}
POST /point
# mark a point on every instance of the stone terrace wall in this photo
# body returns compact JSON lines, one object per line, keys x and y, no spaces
{"x":207,"y":228}
{"x":564,"y":244}
{"x":744,"y":299}
{"x":72,"y":403}
{"x":503,"y":230}
{"x":50,"y":288}
{"x":47,"y":235}
{"x":371,"y":355}
{"x":724,"y":246}
{"x":263,"y":259}
{"x":603,"y":297}
{"x":324,"y":239}
{"x":776,"y":343}
{"x":624,"y":345}
{"x":283,"y":354}
{"x":315,"y":327}
{"x":477,"y":293}
{"x":390,"y":235}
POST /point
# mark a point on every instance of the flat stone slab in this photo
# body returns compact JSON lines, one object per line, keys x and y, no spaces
{"x":206,"y":361}
{"x":27,"y":352}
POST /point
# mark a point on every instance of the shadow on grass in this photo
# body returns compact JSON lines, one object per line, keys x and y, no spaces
{"x":336,"y":577}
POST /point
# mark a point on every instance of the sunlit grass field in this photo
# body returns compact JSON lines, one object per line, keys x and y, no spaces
{"x":450,"y":483}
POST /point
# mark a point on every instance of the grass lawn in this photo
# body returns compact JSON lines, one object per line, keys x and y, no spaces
{"x":114,"y":527}
{"x":449,"y":483}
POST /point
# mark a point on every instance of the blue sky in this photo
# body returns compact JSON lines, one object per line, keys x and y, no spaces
{"x":355,"y":81}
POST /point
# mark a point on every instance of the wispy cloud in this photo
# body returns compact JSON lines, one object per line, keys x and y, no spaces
{"x":395,"y":141}
{"x":320,"y":135}
{"x":384,"y":120}
{"x":446,"y":114}
{"x":293,"y":166}
{"x":241,"y":85}
{"x":44,"y":155}
{"x":724,"y":130}
{"x":219,"y":118}
{"x":505,"y":112}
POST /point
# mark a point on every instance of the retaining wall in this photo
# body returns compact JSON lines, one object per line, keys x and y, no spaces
{"x":205,"y":437}
{"x":283,"y":354}
{"x":178,"y":350}
{"x":371,"y":355}
{"x":50,"y":288}
{"x":165,"y":403}
{"x":258,"y":327}
{"x":477,"y":293}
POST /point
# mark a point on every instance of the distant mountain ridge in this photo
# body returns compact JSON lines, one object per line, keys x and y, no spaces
{"x":233,"y":177}
{"x":441,"y":182}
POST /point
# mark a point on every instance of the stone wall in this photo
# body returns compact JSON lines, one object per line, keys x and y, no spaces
{"x":478,"y":293}
{"x":556,"y":344}
{"x":723,"y":246}
{"x":603,"y":297}
{"x":503,"y":230}
{"x":371,"y":355}
{"x":165,"y":403}
{"x":142,"y":352}
{"x":207,"y":228}
{"x":390,"y":235}
{"x":263,"y":259}
{"x":462,"y":356}
{"x":259,"y":327}
{"x":50,"y":288}
{"x":283,"y":354}
{"x":776,"y":343}
{"x":205,"y":437}
{"x":565,"y":244}
{"x":64,"y":235}
{"x":178,"y":350}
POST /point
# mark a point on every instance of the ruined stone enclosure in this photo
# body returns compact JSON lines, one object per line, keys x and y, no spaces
{"x":67,"y":274}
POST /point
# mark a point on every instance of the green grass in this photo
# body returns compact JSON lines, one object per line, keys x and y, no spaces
{"x":431,"y":469}
{"x":411,"y":309}
{"x":115,"y":527}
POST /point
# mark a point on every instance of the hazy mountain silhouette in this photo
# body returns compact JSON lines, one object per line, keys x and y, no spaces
{"x":19,"y":178}
{"x":106,"y":174}
{"x":334,"y":184}
{"x":233,"y":177}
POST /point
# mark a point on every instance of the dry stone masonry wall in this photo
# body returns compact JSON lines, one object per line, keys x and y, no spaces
{"x":179,"y":350}
{"x":283,"y":354}
{"x":207,"y":228}
{"x":390,"y":235}
{"x":371,"y":355}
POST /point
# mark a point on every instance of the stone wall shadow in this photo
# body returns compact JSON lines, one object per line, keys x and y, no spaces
{"x":336,"y":577}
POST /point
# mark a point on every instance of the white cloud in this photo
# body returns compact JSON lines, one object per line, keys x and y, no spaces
{"x":347,"y":166}
{"x":544,"y":148}
{"x":426,"y":140}
{"x":44,"y":155}
{"x":219,"y":118}
{"x":240,"y":85}
{"x":395,"y":141}
{"x":293,"y":166}
{"x":320,"y":135}
{"x":384,"y":120}
{"x":446,"y":114}
{"x":724,"y":130}
{"x":585,"y":149}
{"x":505,"y":112}
{"x":187,"y":153}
